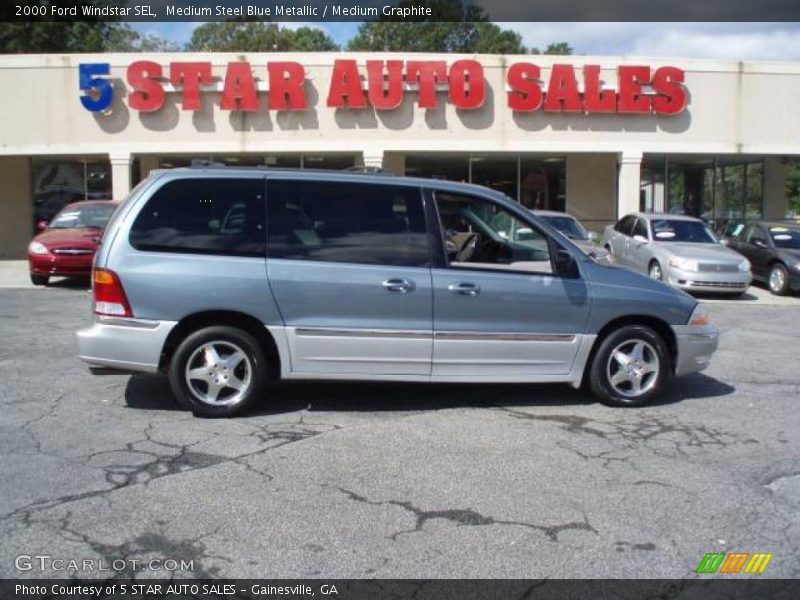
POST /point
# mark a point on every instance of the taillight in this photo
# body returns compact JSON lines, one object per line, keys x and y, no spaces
{"x":109,"y":295}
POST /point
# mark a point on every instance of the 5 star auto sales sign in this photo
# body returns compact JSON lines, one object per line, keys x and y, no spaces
{"x":383,"y":85}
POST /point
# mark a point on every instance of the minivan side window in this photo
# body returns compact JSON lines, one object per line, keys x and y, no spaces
{"x":346,"y":222}
{"x":479,"y":234}
{"x":223,"y":216}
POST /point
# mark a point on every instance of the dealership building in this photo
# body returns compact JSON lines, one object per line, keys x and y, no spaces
{"x":595,"y":136}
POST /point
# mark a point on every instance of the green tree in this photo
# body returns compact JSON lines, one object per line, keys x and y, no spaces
{"x":51,"y":37}
{"x":557,"y":48}
{"x":452,"y":27}
{"x":257,"y":36}
{"x":125,"y":39}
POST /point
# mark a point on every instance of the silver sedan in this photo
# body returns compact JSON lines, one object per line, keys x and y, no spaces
{"x":678,"y":250}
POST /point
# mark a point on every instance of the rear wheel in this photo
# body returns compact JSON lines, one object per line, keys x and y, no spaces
{"x":778,"y":280}
{"x":630,"y":367}
{"x":218,"y":371}
{"x":39,"y":279}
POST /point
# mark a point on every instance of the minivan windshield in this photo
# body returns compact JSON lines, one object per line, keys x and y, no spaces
{"x":74,"y":217}
{"x":678,"y":230}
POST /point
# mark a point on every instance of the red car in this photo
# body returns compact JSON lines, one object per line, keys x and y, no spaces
{"x":66,"y":246}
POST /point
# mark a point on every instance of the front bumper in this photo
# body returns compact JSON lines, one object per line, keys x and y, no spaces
{"x":695,"y":347}
{"x":127,"y":344}
{"x":61,"y":265}
{"x":694,"y":281}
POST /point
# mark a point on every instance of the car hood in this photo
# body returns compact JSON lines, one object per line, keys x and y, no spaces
{"x":704,"y":252}
{"x":82,"y":237}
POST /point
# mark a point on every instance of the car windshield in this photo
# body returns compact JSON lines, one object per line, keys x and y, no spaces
{"x":74,"y":217}
{"x":568,"y":226}
{"x":677,"y":230}
{"x":785,"y":237}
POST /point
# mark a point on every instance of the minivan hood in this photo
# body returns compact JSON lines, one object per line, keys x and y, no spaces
{"x":708,"y":252}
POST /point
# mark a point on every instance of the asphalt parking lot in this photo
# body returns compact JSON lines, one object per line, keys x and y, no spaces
{"x":388,"y":480}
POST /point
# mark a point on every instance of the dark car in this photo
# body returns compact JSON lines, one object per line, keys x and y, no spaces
{"x":66,"y":246}
{"x":773,"y":250}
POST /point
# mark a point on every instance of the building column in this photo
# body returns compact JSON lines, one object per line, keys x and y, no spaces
{"x":120,"y":175}
{"x":776,"y":204}
{"x":592,"y":189}
{"x":373,"y":159}
{"x":629,"y":182}
{"x":147,"y":163}
{"x":16,"y":226}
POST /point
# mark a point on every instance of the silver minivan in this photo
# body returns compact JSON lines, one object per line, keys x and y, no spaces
{"x":224,"y":279}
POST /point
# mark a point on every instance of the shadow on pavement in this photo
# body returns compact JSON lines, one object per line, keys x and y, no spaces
{"x":152,"y":392}
{"x":70,"y":283}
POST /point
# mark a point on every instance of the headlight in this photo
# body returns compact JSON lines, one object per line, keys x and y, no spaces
{"x":684,"y":264}
{"x":744,"y":266}
{"x":37,"y":248}
{"x":699,"y":318}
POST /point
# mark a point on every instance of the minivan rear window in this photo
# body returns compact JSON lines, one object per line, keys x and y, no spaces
{"x":222,"y":216}
{"x":346,"y":222}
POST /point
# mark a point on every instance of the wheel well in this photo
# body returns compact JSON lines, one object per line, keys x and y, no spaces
{"x":243,"y":321}
{"x":650,"y":264}
{"x":662,"y":328}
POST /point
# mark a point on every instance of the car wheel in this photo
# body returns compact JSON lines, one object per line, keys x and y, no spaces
{"x":39,"y":279}
{"x":778,"y":280}
{"x":218,"y":371}
{"x":630,"y":367}
{"x":655,"y":271}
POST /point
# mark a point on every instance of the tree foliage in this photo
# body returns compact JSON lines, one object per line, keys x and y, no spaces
{"x":452,"y":27}
{"x":557,"y":48}
{"x":51,"y":37}
{"x":257,"y":36}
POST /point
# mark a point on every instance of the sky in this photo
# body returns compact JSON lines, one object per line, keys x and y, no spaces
{"x":740,"y":41}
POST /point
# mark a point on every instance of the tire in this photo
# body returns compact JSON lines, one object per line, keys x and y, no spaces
{"x":778,"y":280}
{"x":39,"y":279}
{"x":218,"y":371}
{"x":605,"y":366}
{"x":654,"y":271}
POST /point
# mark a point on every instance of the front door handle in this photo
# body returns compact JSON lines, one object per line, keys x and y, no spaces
{"x":466,"y":289}
{"x":399,"y":285}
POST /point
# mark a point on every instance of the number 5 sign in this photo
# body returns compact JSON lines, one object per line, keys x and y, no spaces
{"x":98,"y":89}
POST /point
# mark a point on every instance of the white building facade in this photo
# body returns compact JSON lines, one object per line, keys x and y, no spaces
{"x":595,"y":136}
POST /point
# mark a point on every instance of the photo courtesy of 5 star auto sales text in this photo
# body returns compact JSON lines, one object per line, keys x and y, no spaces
{"x":382,"y":300}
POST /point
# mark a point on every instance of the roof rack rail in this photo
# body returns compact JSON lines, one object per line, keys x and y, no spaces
{"x":205,"y":162}
{"x":370,"y":169}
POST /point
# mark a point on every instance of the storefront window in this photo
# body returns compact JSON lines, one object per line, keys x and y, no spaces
{"x":712,"y":188}
{"x":534,"y":181}
{"x":293,"y":161}
{"x":58,"y":182}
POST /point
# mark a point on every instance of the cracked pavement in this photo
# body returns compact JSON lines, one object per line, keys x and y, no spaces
{"x":354,"y":480}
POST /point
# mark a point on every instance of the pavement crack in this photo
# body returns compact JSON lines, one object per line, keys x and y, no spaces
{"x":465,"y":517}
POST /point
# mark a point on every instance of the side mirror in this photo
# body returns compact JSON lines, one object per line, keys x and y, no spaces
{"x":725,"y":242}
{"x":760,"y":243}
{"x":565,"y":264}
{"x":42,"y":225}
{"x":641,"y":238}
{"x":592,"y":236}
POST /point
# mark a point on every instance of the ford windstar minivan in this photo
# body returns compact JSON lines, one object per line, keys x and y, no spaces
{"x":226,"y":278}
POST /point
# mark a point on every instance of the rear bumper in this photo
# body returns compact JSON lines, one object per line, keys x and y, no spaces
{"x":695,"y":347}
{"x":126,"y":344}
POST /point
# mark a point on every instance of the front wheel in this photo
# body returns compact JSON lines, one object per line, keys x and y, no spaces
{"x":655,"y":271}
{"x":218,"y":371}
{"x":778,"y":280}
{"x":39,"y":279}
{"x":630,"y":367}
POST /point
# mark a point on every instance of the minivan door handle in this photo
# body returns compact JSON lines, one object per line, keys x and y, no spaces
{"x":399,"y":285}
{"x":465,"y":289}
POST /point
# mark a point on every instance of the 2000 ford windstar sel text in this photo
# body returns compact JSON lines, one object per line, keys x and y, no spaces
{"x":224,"y":278}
